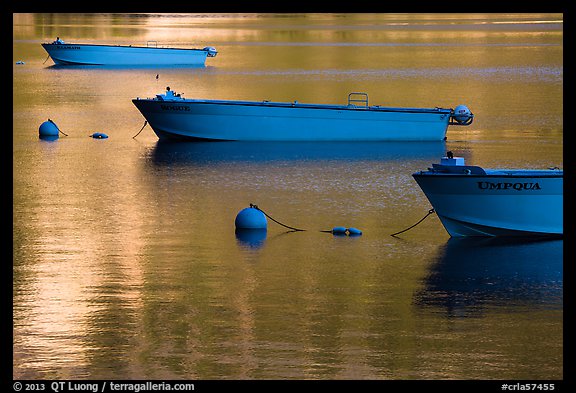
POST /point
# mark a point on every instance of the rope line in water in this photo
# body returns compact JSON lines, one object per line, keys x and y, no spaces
{"x":145,"y":122}
{"x":276,"y":221}
{"x":422,"y":219}
{"x":431,"y":211}
{"x":57,"y":127}
{"x":293,"y":228}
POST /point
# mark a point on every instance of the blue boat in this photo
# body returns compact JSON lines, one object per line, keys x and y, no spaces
{"x":472,"y":201}
{"x":172,"y":116}
{"x":125,"y":55}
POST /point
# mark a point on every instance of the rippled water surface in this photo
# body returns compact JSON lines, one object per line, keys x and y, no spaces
{"x":126,"y":264}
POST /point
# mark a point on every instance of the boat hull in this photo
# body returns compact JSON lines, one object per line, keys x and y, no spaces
{"x":523,"y":203}
{"x":87,"y":54}
{"x":266,"y":121}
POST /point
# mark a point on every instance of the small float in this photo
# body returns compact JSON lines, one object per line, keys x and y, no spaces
{"x":98,"y":135}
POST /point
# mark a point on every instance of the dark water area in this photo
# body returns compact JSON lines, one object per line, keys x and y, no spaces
{"x":126,"y":264}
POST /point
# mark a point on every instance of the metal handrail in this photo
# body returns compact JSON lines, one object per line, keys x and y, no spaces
{"x":363,"y":100}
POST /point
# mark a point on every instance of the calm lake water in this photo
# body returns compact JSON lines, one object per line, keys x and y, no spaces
{"x":126,"y":264}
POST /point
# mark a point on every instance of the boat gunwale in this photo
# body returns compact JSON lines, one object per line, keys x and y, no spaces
{"x":270,"y":104}
{"x":557,"y":174}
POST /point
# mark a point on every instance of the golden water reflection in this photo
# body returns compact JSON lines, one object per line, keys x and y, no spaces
{"x":126,"y":264}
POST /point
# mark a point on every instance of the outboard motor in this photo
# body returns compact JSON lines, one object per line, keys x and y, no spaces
{"x":462,"y":115}
{"x":211,"y":51}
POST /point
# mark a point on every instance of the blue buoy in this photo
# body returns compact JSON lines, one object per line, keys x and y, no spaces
{"x":251,"y":218}
{"x":48,"y":129}
{"x":99,"y":135}
{"x":339,"y":230}
{"x":354,"y":232}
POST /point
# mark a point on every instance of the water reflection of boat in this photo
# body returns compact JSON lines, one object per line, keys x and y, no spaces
{"x":169,"y":152}
{"x":472,"y":273}
{"x":472,"y":201}
{"x":174,"y":117}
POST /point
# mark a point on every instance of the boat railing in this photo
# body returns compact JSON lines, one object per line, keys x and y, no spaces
{"x":152,"y":44}
{"x":358,"y":98}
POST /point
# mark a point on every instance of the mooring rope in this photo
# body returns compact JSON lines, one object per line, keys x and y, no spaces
{"x":46,"y":59}
{"x":422,"y":219}
{"x":276,"y":221}
{"x":350,"y":231}
{"x":145,"y":122}
{"x":57,"y":127}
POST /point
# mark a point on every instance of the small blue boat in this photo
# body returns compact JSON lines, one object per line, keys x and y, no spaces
{"x":472,"y":201}
{"x":125,"y":55}
{"x":173,"y":117}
